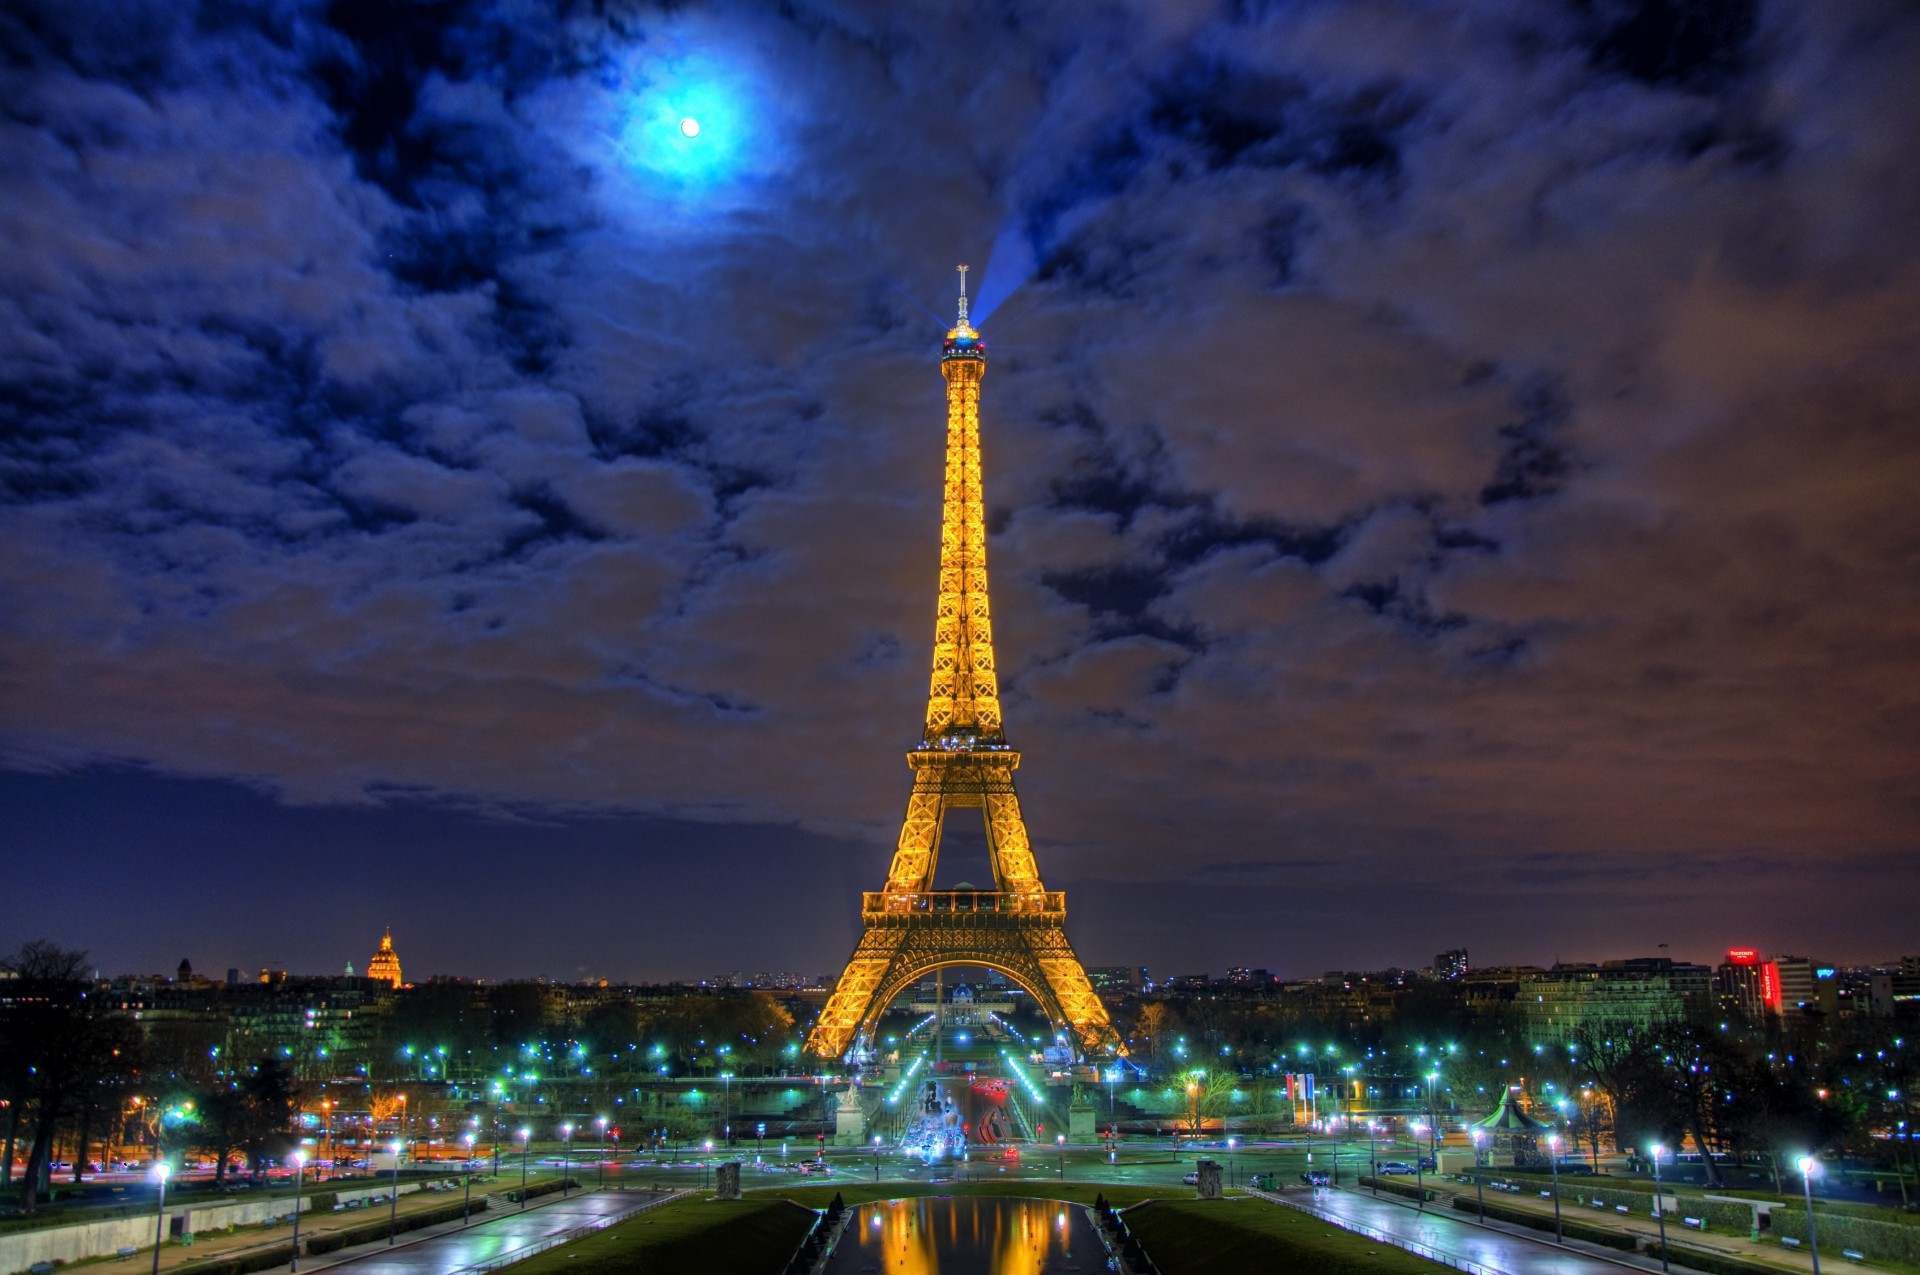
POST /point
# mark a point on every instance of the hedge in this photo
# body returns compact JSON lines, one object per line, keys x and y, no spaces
{"x":544,"y":1188}
{"x":1572,"y":1227}
{"x":1712,"y":1263}
{"x":1392,"y":1187}
{"x":1880,"y":1241}
{"x":1728,"y":1219}
{"x":244,"y":1263}
{"x":1638,"y":1203}
{"x":372,"y":1231}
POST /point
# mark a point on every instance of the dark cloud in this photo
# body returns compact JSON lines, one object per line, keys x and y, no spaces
{"x":1470,"y":444}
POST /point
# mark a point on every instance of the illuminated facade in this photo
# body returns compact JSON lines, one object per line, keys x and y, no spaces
{"x":385,"y":965}
{"x":963,"y":760}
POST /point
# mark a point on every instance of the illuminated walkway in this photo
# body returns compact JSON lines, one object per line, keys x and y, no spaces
{"x":499,"y":1236}
{"x":1452,"y":1241}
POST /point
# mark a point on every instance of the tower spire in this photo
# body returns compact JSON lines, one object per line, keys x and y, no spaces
{"x":963,"y":299}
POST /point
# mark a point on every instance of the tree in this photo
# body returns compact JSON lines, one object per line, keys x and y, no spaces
{"x":250,"y":1113}
{"x":62,"y":1057}
{"x":1208,"y":1094}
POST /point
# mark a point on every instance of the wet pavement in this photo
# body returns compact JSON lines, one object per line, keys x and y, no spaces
{"x":499,"y":1236}
{"x":1457,"y":1243}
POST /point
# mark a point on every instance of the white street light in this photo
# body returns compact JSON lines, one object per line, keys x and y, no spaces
{"x":1808,"y":1167}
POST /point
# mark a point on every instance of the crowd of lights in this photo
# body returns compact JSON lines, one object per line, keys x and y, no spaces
{"x":906,"y":1078}
{"x":1019,"y":1073}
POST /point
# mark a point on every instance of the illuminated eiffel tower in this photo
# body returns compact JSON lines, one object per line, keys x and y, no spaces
{"x":963,"y":760}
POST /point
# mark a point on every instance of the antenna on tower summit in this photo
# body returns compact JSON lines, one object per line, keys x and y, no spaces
{"x":963,"y":295}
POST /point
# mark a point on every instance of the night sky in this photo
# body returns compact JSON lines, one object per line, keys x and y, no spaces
{"x":1453,"y":475}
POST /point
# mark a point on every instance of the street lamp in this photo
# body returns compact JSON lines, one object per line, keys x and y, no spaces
{"x":1231,"y":1144}
{"x":1060,"y":1140}
{"x":876,"y":1157}
{"x":600,"y":1161}
{"x":393,"y":1202}
{"x":466,"y":1207}
{"x":566,"y":1156}
{"x":1479,"y":1175}
{"x":707,"y":1164}
{"x":1419,"y":1165}
{"x":1659,"y":1210}
{"x":1808,"y":1167}
{"x":1553,"y":1150}
{"x":525,"y":1133}
{"x":1433,"y":1114}
{"x":1373,"y":1156}
{"x":160,"y":1172}
{"x":299,"y":1172}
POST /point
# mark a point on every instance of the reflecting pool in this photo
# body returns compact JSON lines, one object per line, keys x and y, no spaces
{"x":967,"y":1235}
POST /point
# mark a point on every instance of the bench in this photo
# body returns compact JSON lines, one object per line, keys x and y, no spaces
{"x":126,"y":1250}
{"x":1789,"y":1241}
{"x":42,"y":1268}
{"x":1694,"y":1223}
{"x":1853,"y":1255}
{"x":1621,"y":1208}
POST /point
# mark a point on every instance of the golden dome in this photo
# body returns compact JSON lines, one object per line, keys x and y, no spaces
{"x":385,"y":964}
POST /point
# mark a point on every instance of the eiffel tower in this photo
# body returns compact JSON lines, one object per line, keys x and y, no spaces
{"x":964,"y":760}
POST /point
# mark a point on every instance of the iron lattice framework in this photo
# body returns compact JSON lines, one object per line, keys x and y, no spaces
{"x":964,"y":760}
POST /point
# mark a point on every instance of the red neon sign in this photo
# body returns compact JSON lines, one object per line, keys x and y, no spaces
{"x":1770,"y":985}
{"x":1742,"y":956}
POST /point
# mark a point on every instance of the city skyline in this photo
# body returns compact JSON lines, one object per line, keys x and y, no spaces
{"x":1450,"y":478}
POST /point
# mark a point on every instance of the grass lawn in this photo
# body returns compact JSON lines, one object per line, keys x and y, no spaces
{"x":1243,"y":1234}
{"x":688,"y":1235}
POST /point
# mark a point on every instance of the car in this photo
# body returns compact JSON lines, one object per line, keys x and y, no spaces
{"x":1428,"y":1164}
{"x":1315,"y":1177}
{"x":1394,"y":1166}
{"x":1192,"y":1179}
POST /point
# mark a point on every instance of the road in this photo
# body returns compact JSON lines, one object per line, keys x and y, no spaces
{"x":1460,"y":1243}
{"x":486,"y":1241}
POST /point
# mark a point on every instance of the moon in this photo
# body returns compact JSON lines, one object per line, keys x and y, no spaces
{"x":690,"y":127}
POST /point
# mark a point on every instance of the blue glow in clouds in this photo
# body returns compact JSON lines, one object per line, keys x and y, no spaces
{"x":688,"y":125}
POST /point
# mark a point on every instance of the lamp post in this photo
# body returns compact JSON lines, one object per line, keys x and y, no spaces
{"x":1373,"y":1155}
{"x":876,"y":1157}
{"x":160,"y":1172}
{"x":1433,"y":1115}
{"x":1479,"y":1176}
{"x":1553,"y":1150}
{"x":600,"y":1161}
{"x":706,"y":1176}
{"x":1419,"y":1167}
{"x":1659,"y":1211}
{"x":1060,"y":1139}
{"x":393,"y":1200}
{"x":525,"y":1133}
{"x":759,"y":1138}
{"x":466,"y":1207}
{"x":1808,"y":1167}
{"x":566,"y":1156}
{"x":299,"y":1172}
{"x":1231,"y":1144}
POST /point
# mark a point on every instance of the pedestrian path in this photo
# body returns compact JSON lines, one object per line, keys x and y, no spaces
{"x":497,"y":1241}
{"x":1476,"y":1249}
{"x":1499,"y":1248}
